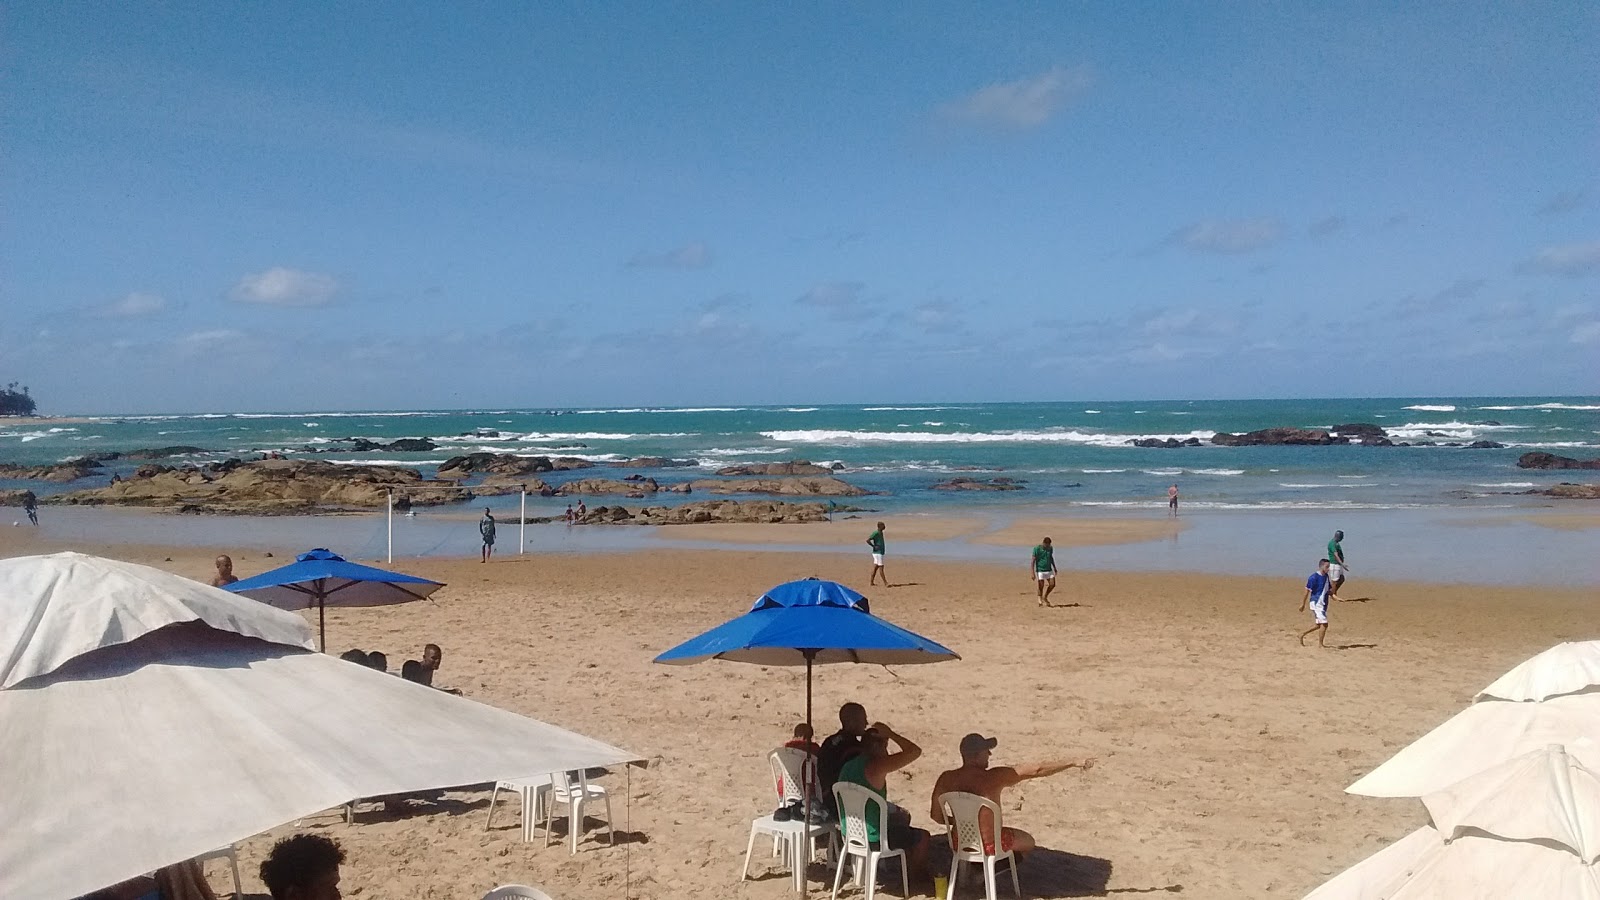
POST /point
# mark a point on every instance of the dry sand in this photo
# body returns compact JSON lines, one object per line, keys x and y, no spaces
{"x":1223,"y":746}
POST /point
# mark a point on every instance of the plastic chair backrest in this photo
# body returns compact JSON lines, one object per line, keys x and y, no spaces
{"x":575,"y":781}
{"x":853,"y":800}
{"x":516,"y":892}
{"x":791,"y":768}
{"x":963,"y":812}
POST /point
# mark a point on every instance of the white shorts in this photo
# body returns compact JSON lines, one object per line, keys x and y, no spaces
{"x":1045,"y":576}
{"x":877,"y":559}
{"x":1319,"y":610}
{"x":1335,"y":572}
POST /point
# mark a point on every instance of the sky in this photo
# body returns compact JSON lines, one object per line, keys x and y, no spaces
{"x":222,"y":207}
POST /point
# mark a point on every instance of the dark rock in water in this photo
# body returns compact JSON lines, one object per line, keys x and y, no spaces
{"x":1490,"y":423}
{"x":819,"y":485}
{"x":1486,"y":445}
{"x":1435,"y":434}
{"x":412,"y":445}
{"x":652,"y":462}
{"x":71,"y":470}
{"x":1191,"y":442}
{"x":972,"y":484}
{"x":506,"y":464}
{"x":1378,"y":442}
{"x":1541,"y":460}
{"x":1073,"y":484}
{"x":1568,"y":491}
{"x":1276,"y":436}
{"x":711,"y":511}
{"x":607,"y":486}
{"x":1167,"y":443}
{"x":837,"y":467}
{"x":1359,"y":430}
{"x":791,"y":467}
{"x":267,"y":487}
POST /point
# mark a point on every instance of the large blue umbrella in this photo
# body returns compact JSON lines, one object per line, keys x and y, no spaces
{"x":321,"y":577}
{"x":806,"y":623}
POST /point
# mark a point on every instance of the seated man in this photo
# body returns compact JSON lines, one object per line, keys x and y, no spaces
{"x":432,"y":658}
{"x":303,"y":867}
{"x":839,"y":748}
{"x":975,"y":777}
{"x":870,"y":769}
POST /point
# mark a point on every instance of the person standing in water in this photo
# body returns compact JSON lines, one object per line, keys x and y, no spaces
{"x":875,"y":541}
{"x":1172,"y":499}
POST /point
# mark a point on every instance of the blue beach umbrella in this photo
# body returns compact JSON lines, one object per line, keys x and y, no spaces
{"x":321,"y":577}
{"x":808,"y":623}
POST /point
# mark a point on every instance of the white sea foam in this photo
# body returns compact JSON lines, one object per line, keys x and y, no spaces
{"x":1164,"y":473}
{"x":1426,"y":408}
{"x":933,"y":424}
{"x":1545,"y":406}
{"x":1092,"y":412}
{"x":800,"y":409}
{"x":906,"y":408}
{"x":27,"y":436}
{"x":1468,"y":430}
{"x":826,"y":436}
{"x":1103,"y":471}
{"x":1167,"y":473}
{"x":1551,"y":445}
{"x":742,"y":451}
{"x":1505,"y":484}
{"x":1296,"y":484}
{"x":1345,"y":476}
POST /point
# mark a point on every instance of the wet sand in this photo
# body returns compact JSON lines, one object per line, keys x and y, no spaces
{"x":1223,"y":746}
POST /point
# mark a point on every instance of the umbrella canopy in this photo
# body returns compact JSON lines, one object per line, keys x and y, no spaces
{"x":156,"y":747}
{"x":321,"y":578}
{"x":1483,"y":735}
{"x":1567,"y":668}
{"x":809,"y":621}
{"x":1524,"y":828}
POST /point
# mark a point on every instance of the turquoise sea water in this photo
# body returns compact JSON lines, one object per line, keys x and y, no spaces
{"x":1075,"y":454}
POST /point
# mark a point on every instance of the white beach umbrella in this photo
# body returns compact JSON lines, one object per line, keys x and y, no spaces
{"x":1483,"y":735}
{"x":161,"y":743}
{"x":1528,"y":828}
{"x":1567,"y":668}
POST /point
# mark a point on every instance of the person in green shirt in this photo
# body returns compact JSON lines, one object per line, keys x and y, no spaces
{"x":870,"y":769}
{"x":875,"y":541}
{"x":1044,"y":570}
{"x":1337,"y":568}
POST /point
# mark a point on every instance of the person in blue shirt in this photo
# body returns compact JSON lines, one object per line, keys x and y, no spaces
{"x":1318,"y":590}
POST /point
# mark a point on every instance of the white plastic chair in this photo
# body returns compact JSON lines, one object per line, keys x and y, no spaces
{"x":790,"y":766}
{"x":963,"y":813}
{"x":574,"y":790}
{"x":231,"y":854}
{"x":534,"y":793}
{"x":853,"y":800}
{"x":516,"y":892}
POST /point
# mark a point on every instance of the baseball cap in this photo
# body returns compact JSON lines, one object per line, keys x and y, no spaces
{"x":976,"y":743}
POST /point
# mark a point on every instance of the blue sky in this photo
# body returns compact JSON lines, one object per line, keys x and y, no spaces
{"x":279,"y":206}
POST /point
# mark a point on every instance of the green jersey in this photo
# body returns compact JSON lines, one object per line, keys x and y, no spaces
{"x":1044,"y":559}
{"x":876,"y":540}
{"x":1335,"y":553}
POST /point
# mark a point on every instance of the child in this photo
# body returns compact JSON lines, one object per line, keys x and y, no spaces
{"x":1316,"y":596}
{"x":802,"y":741}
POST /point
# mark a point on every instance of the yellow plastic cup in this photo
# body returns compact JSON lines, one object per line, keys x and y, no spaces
{"x":941,"y":886}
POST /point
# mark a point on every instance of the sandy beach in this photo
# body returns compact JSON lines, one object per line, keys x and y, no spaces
{"x":1223,"y":746}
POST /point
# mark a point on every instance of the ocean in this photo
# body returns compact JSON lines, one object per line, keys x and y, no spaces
{"x":1074,"y":454}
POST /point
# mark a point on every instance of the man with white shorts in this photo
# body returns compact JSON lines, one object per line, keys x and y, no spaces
{"x":875,"y":541}
{"x":1044,"y":570}
{"x":1316,"y":597}
{"x":1337,"y":569}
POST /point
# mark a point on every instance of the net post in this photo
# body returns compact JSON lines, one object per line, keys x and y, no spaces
{"x":389,"y":518}
{"x":522,"y":528}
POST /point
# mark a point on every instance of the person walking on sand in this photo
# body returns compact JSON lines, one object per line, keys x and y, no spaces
{"x":1316,"y":597}
{"x":1172,"y":499}
{"x":224,"y":576}
{"x":1337,"y":568}
{"x":875,"y":541}
{"x":486,"y":529}
{"x":1044,"y":570}
{"x":30,"y":505}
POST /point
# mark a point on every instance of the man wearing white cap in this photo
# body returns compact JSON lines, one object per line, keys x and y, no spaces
{"x":976,"y":777}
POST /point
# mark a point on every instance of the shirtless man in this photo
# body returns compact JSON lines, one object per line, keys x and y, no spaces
{"x":975,"y":777}
{"x":225,"y":574}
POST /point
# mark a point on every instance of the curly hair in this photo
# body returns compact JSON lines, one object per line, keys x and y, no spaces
{"x":297,"y":860}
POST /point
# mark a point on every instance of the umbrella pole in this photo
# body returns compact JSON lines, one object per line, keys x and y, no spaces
{"x":322,"y":624}
{"x":805,"y":792}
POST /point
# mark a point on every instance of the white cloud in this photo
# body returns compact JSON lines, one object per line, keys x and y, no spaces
{"x":1228,"y":235}
{"x":936,"y":315}
{"x":137,"y":305}
{"x":1022,"y":104}
{"x":285,"y":287}
{"x":840,"y":299}
{"x":1571,"y":260}
{"x":207,"y":340}
{"x":695,"y":255}
{"x":1587,"y":333}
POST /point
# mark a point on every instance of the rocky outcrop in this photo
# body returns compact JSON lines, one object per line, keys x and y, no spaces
{"x":1168,"y":443}
{"x":13,"y":498}
{"x":710,"y":511}
{"x":1541,"y":460}
{"x":152,"y":453}
{"x":1360,"y":430}
{"x":365,"y":445}
{"x":789,"y":468}
{"x":1568,"y":491}
{"x":1486,"y":445}
{"x":63,"y":472}
{"x":653,"y":462}
{"x":501,"y":485}
{"x":1276,"y":436}
{"x":269,"y":487}
{"x":608,"y":486}
{"x":972,"y":484}
{"x":457,"y":467}
{"x":805,"y":486}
